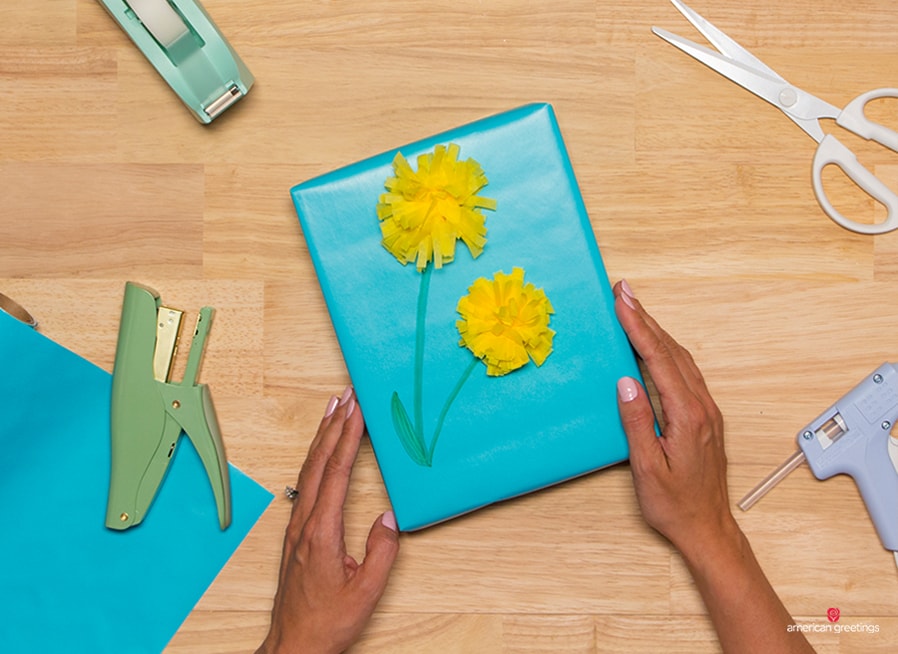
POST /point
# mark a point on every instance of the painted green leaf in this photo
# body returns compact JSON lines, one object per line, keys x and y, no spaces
{"x":412,"y":442}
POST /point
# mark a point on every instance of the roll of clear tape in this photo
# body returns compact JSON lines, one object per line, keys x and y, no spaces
{"x":17,"y":311}
{"x":160,"y":19}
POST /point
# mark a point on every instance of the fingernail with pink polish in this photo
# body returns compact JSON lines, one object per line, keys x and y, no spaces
{"x":388,"y":520}
{"x":347,"y":393}
{"x":627,"y":389}
{"x":351,"y":406}
{"x":627,"y":294}
{"x":331,"y":406}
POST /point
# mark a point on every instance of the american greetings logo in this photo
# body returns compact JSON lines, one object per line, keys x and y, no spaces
{"x":833,"y":615}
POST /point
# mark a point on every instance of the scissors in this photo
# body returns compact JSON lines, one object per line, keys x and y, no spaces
{"x":805,"y":110}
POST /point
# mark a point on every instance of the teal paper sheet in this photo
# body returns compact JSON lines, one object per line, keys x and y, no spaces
{"x":502,"y":436}
{"x":68,"y":584}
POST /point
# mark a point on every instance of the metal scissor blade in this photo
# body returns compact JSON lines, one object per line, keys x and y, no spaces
{"x":722,"y":42}
{"x":746,"y":76}
{"x":740,"y":66}
{"x":803,"y":108}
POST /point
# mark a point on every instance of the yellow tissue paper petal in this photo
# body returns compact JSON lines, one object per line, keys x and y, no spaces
{"x":505,"y":322}
{"x":426,"y":211}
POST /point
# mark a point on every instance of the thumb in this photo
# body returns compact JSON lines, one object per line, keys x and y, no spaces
{"x":380,"y":552}
{"x":637,"y":418}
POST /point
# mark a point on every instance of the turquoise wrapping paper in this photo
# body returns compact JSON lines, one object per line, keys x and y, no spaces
{"x":503,"y":436}
{"x":68,"y":584}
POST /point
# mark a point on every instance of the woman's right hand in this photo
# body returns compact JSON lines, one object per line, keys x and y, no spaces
{"x":680,"y":481}
{"x":680,"y":476}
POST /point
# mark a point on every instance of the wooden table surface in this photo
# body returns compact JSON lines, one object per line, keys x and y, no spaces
{"x":699,"y":195}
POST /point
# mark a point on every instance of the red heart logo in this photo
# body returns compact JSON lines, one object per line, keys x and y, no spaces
{"x":833,"y":615}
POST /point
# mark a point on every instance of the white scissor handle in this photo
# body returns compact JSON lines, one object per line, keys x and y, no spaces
{"x":855,"y":120}
{"x":831,"y":151}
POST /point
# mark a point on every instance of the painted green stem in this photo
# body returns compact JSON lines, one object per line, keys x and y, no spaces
{"x":455,"y":391}
{"x":412,"y":435}
{"x":423,"y":292}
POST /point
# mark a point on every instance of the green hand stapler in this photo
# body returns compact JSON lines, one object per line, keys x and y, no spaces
{"x":186,"y":48}
{"x":149,"y":412}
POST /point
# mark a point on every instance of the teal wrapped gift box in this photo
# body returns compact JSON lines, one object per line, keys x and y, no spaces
{"x":448,"y":437}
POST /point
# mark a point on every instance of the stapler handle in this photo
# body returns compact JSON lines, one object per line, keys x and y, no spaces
{"x":200,"y":422}
{"x":192,"y":408}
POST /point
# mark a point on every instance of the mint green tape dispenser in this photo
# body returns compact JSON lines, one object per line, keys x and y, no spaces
{"x":185,"y":46}
{"x":149,"y":411}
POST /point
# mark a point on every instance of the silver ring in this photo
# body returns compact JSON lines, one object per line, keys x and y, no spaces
{"x":291,"y":493}
{"x":17,"y":311}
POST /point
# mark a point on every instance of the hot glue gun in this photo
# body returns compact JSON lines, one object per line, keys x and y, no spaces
{"x":853,"y":437}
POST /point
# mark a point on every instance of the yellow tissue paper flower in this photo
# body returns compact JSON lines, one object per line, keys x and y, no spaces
{"x":505,"y":321}
{"x":424,"y":212}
